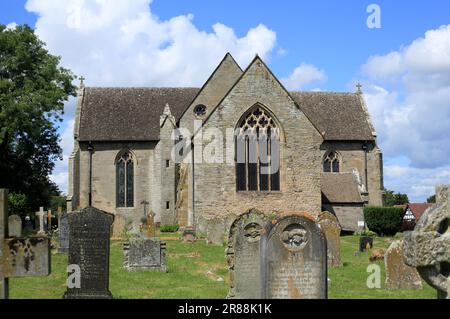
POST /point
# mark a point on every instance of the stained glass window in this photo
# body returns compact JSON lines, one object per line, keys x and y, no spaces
{"x":331,"y":163}
{"x":257,"y":153}
{"x":125,"y":180}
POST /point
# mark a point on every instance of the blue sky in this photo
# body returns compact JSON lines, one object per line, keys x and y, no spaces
{"x":328,"y":42}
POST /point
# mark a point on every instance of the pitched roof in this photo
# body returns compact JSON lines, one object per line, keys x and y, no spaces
{"x":340,"y":188}
{"x":129,"y":114}
{"x":418,"y":209}
{"x":339,"y":116}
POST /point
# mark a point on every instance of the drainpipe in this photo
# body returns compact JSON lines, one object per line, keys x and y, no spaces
{"x":91,"y":150}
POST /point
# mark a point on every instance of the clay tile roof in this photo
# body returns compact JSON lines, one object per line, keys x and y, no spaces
{"x":126,"y":114}
{"x":418,"y":209}
{"x":340,"y":188}
{"x":340,"y":116}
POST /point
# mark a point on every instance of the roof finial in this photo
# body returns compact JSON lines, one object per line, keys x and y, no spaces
{"x":82,"y":78}
{"x":359,"y":88}
{"x":167,"y":110}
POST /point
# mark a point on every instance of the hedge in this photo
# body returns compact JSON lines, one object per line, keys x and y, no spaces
{"x":169,"y":228}
{"x":385,"y":221}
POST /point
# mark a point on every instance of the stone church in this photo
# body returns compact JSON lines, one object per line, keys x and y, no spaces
{"x":169,"y":151}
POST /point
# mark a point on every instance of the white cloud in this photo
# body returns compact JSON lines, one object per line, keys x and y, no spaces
{"x":303,"y":75}
{"x":408,"y":95}
{"x":11,"y":26}
{"x":122,"y":43}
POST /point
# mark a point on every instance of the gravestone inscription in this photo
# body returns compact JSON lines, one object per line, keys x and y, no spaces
{"x":89,"y":249}
{"x":63,"y":230}
{"x":296,"y":265}
{"x":244,"y":255}
{"x":398,"y":274}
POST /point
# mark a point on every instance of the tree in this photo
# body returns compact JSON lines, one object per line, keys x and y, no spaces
{"x":33,"y":89}
{"x":17,"y":204}
{"x":391,"y":199}
{"x":431,"y":199}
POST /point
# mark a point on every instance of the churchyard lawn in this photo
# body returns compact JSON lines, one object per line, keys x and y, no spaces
{"x":200,"y":271}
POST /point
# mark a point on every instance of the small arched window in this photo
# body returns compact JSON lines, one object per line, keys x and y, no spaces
{"x":257,"y":152}
{"x":125,"y":180}
{"x":331,"y":163}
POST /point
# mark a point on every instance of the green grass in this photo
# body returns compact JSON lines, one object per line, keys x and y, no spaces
{"x":197,"y":270}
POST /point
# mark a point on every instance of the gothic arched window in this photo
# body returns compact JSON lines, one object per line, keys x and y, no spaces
{"x":125,"y":180}
{"x":331,"y":163}
{"x":257,"y":152}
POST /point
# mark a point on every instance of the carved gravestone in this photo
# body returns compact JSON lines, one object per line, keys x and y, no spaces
{"x":144,"y":254}
{"x":398,"y":274}
{"x":296,"y":265}
{"x":215,"y":232}
{"x":40,"y":221}
{"x":89,"y":249}
{"x":332,"y":230}
{"x":427,"y":247}
{"x":244,"y":255}
{"x":15,"y":226}
{"x":20,"y":257}
{"x":63,"y":230}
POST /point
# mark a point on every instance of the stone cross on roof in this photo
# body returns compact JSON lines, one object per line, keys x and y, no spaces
{"x":82,"y":78}
{"x":359,"y":88}
{"x":20,"y":257}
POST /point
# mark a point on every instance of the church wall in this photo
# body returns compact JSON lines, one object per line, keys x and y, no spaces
{"x":352,"y":157}
{"x":347,"y":214}
{"x":215,"y":184}
{"x":104,"y":177}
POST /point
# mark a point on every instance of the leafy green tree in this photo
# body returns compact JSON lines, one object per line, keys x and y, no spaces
{"x":17,"y":204}
{"x":391,"y":199}
{"x":33,"y":89}
{"x":57,"y":201}
{"x":431,"y":199}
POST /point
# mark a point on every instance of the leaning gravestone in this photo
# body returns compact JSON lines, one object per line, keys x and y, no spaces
{"x":398,"y":274}
{"x":427,"y":247}
{"x":330,"y":227}
{"x":15,"y":226}
{"x":89,"y":250}
{"x":144,"y":254}
{"x":296,"y":265}
{"x":63,"y":230}
{"x":244,"y":255}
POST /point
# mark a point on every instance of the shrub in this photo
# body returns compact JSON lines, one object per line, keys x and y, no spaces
{"x":17,"y":204}
{"x":169,"y":228}
{"x":365,"y":233}
{"x":384,"y":220}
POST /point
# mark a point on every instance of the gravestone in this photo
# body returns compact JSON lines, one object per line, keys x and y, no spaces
{"x":119,"y":226}
{"x":427,"y":247}
{"x":189,"y":235}
{"x":144,"y":254}
{"x":296,"y":265}
{"x":20,"y":257}
{"x":151,"y":232}
{"x":63,"y":230}
{"x":15,"y":226}
{"x":398,"y":274}
{"x":332,"y":230}
{"x":28,"y":225}
{"x":49,"y":221}
{"x":244,"y":255}
{"x":89,"y":249}
{"x":215,"y":232}
{"x":40,"y":221}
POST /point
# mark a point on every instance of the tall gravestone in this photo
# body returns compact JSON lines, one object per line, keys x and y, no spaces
{"x":427,"y":247}
{"x":40,"y":221}
{"x":296,"y":265}
{"x":64,"y":232}
{"x":332,"y":231}
{"x":89,"y":250}
{"x":244,"y":255}
{"x":15,"y":226}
